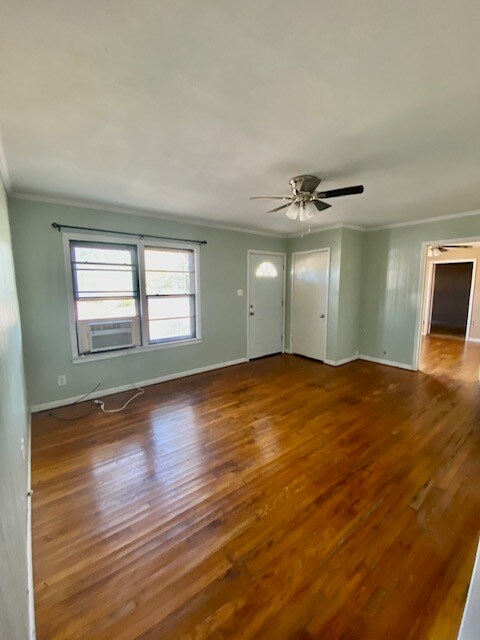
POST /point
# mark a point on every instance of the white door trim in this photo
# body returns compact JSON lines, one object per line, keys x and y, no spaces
{"x":431,"y":290}
{"x":266,"y":253}
{"x":428,"y":302}
{"x":292,"y":274}
{"x":422,"y":287}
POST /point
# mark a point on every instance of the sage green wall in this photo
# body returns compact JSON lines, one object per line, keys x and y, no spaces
{"x":39,"y":260}
{"x":391,"y":291}
{"x":374,"y":294}
{"x":13,"y":467}
{"x":350,"y":293}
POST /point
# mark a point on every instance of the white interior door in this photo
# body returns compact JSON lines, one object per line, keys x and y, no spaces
{"x":310,"y":303}
{"x":265,"y":293}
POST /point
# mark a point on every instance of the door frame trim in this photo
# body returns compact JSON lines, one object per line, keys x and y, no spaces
{"x":431,"y":290}
{"x":251,"y":252}
{"x":327,"y":312}
{"x":421,"y":291}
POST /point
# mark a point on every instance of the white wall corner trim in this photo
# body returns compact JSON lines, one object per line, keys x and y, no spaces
{"x":4,"y":173}
{"x":31,"y":594}
{"x":338,"y":363}
{"x":142,"y":383}
{"x":470,"y":626}
{"x":388,"y":363}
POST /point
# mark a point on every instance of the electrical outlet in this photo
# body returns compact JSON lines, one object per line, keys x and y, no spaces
{"x":62,"y":381}
{"x":239,"y":293}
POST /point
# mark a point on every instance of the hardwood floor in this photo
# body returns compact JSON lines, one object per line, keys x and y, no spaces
{"x":452,"y":361}
{"x":278,"y":499}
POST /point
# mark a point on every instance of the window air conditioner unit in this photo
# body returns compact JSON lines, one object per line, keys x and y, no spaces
{"x":115,"y":334}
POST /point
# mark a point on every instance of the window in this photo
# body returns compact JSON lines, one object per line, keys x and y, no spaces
{"x":266,"y":270}
{"x":105,"y":282}
{"x":170,"y":291}
{"x":124,"y":295}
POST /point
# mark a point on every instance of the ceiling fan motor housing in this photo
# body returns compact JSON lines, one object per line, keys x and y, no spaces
{"x":305,"y":183}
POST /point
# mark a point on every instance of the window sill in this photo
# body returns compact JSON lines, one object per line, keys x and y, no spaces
{"x":105,"y":355}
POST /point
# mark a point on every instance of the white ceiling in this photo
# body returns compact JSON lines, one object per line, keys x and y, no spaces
{"x":189,"y":107}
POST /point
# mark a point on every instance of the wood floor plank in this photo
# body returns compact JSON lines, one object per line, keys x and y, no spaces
{"x":278,"y":499}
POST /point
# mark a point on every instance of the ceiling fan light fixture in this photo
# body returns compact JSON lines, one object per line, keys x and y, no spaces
{"x":307,"y":211}
{"x":292,"y":211}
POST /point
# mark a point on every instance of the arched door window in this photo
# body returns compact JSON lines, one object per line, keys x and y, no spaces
{"x":266,"y":270}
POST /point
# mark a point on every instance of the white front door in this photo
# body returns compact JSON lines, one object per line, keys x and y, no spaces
{"x":309,"y":303}
{"x":265,"y":313}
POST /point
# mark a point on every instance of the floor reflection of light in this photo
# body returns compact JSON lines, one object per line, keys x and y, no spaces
{"x":176,"y":450}
{"x":168,"y":454}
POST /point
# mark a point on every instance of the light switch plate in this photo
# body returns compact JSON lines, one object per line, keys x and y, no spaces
{"x":239,"y":293}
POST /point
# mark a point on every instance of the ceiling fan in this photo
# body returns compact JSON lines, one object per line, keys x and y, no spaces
{"x":436,"y":251}
{"x":305,"y":201}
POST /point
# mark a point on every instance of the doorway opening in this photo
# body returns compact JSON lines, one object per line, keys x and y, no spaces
{"x":450,"y":323}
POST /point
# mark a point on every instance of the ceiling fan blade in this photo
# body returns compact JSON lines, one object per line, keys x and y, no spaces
{"x":271,"y":198}
{"x":284,"y":206}
{"x":336,"y":193}
{"x":321,"y":205}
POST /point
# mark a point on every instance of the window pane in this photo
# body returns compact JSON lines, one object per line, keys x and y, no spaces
{"x":266,"y":270}
{"x":161,"y":308}
{"x":168,"y":259}
{"x":114,"y":255}
{"x":167,"y":329}
{"x":105,"y":281}
{"x":103,"y":309}
{"x":159,"y":283}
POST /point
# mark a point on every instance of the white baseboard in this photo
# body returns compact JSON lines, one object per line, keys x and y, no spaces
{"x":473,"y":339}
{"x":31,"y":593}
{"x":389,"y":363}
{"x":127,"y":387}
{"x":338,"y":363}
{"x":287,"y":350}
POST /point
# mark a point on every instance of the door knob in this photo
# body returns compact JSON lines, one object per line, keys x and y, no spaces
{"x":322,"y":315}
{"x":252,"y":313}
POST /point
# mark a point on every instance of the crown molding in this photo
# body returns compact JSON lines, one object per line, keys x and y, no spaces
{"x":410,"y":223}
{"x":202,"y":222}
{"x":330,"y":227}
{"x":144,"y":213}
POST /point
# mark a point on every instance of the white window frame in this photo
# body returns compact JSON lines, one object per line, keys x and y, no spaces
{"x":140,"y":244}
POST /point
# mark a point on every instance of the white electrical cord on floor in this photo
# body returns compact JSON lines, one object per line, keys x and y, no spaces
{"x":140,"y":392}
